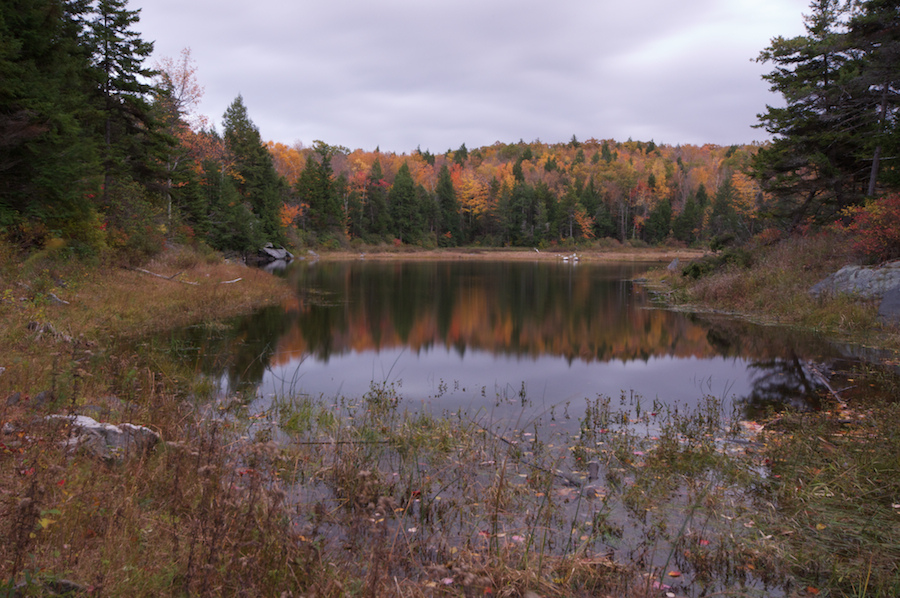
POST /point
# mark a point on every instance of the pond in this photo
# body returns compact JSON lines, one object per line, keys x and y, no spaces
{"x":577,"y":415}
{"x":515,"y":340}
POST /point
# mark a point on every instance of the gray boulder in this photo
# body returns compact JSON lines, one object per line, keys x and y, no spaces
{"x":889,"y":310}
{"x":862,"y":281}
{"x":272,"y":253}
{"x":673,"y":265}
{"x":107,"y":441}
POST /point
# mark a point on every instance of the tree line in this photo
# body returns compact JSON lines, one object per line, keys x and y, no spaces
{"x":101,"y":150}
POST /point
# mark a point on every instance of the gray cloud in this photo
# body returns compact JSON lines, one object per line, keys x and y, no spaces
{"x":432,"y":73}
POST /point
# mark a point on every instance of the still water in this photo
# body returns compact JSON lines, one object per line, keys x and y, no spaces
{"x":497,"y":337}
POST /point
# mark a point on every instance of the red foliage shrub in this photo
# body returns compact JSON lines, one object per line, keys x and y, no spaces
{"x":876,"y":227}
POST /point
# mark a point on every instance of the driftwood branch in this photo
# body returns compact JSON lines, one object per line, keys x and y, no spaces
{"x":814,"y":368}
{"x":172,"y":278}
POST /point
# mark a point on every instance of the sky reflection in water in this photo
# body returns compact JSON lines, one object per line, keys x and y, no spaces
{"x":472,"y":334}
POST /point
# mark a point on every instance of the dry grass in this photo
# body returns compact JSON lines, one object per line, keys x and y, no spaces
{"x":359,"y":497}
{"x":59,"y":318}
{"x":770,"y":284}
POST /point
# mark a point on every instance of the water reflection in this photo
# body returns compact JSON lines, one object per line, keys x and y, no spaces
{"x":472,"y":334}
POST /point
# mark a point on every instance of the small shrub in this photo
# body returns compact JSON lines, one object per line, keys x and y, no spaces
{"x":876,"y":228}
{"x":702,"y":267}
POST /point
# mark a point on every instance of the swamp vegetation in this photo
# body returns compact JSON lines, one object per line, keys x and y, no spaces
{"x":364,"y":496}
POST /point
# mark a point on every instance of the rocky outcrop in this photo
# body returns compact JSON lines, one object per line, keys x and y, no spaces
{"x":867,"y":282}
{"x":270,"y":253}
{"x":107,"y":441}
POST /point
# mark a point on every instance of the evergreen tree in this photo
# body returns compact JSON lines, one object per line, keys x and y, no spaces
{"x":658,"y":222}
{"x":48,"y":158}
{"x":875,"y":31}
{"x":256,"y":179}
{"x":449,"y":229}
{"x":379,"y":215}
{"x":811,"y":169}
{"x":461,"y":155}
{"x":131,"y":144}
{"x":686,"y":226}
{"x":723,"y":220}
{"x":407,"y":217}
{"x":232,"y":225}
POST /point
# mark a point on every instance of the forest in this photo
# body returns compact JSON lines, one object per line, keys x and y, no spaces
{"x":101,"y":150}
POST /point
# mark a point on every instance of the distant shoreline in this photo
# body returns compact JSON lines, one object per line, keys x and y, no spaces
{"x":590,"y":255}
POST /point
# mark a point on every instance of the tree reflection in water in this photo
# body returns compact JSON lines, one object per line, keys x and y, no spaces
{"x":566,"y":331}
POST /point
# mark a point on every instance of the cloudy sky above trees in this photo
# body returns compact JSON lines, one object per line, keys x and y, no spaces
{"x":401,"y":74}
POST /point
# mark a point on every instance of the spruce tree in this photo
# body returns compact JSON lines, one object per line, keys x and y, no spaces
{"x":812,"y":167}
{"x":48,"y":159}
{"x":131,"y":142}
{"x":407,"y":217}
{"x":449,"y":227}
{"x":257,"y":181}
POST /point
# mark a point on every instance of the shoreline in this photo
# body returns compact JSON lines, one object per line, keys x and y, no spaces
{"x":516,"y":254}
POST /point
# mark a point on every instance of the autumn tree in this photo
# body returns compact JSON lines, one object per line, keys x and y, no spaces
{"x":177,"y":95}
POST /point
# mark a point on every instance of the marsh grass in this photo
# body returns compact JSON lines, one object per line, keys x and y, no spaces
{"x":363,"y":496}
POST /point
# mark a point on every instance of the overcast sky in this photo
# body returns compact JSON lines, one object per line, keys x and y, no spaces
{"x":399,"y":74}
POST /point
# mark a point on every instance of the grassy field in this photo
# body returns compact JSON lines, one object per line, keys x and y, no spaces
{"x":363,"y":496}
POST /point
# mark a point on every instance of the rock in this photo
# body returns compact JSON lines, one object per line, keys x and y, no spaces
{"x":107,"y":441}
{"x":42,"y":398}
{"x":57,"y":587}
{"x":593,"y":470}
{"x":275,"y":253}
{"x":673,"y":265}
{"x":13,"y":399}
{"x":862,"y":281}
{"x":889,"y":310}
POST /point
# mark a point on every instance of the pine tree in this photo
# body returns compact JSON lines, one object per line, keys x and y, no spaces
{"x":125,"y":117}
{"x":379,"y":215}
{"x":449,"y":221}
{"x":811,"y":169}
{"x":48,"y":159}
{"x":407,"y":216}
{"x":256,"y":180}
{"x":875,"y":31}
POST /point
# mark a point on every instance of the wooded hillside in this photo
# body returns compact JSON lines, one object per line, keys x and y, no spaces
{"x":99,"y":150}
